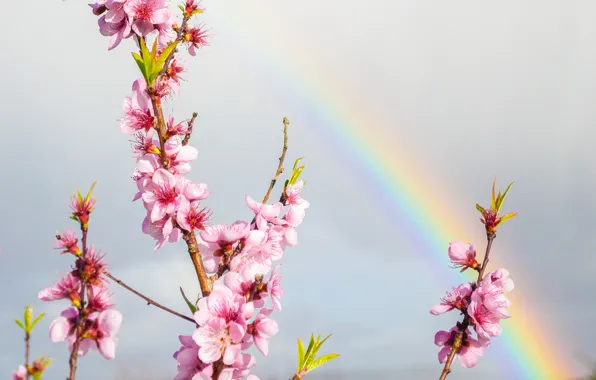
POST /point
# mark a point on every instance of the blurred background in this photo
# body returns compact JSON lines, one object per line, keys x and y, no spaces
{"x":405,"y":111}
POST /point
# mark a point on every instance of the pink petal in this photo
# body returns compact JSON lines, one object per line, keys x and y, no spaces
{"x":107,"y":348}
{"x":59,"y":329}
{"x":440,"y":309}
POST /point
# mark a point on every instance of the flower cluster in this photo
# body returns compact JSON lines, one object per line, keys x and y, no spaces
{"x":90,"y":322}
{"x":484,"y":305}
{"x":227,"y":318}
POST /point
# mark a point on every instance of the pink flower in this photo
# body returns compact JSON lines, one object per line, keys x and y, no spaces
{"x":68,"y":287}
{"x":469,"y":352}
{"x":196,"y":38}
{"x":162,"y":230}
{"x":138,"y":111}
{"x":294,"y":195}
{"x":223,"y":304}
{"x":262,"y":329}
{"x":98,"y":298}
{"x":162,"y":196}
{"x":61,"y":327}
{"x":221,"y":239}
{"x":264,"y":213}
{"x":145,"y":144}
{"x":499,"y":278}
{"x":93,"y":266}
{"x":108,"y":325}
{"x":179,"y":155}
{"x":190,"y":216}
{"x":189,"y":365}
{"x":67,"y":241}
{"x":462,"y":255}
{"x":215,"y":340}
{"x":456,"y":298}
{"x":485,"y":322}
{"x":494,"y":300}
{"x":20,"y":373}
{"x":116,"y":30}
{"x":147,"y":14}
{"x":274,"y":288}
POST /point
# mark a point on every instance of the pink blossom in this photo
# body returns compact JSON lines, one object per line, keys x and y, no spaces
{"x":138,"y":111}
{"x":274,"y":288}
{"x":189,"y":365}
{"x":98,"y":298}
{"x":462,"y":255}
{"x":117,"y":31}
{"x":196,"y":38}
{"x":456,"y":298}
{"x":485,"y":322}
{"x":494,"y":300}
{"x":221,"y":239}
{"x":262,"y":329}
{"x":223,"y":304}
{"x":179,"y":155}
{"x":162,"y":230}
{"x":174,"y":128}
{"x":98,"y":7}
{"x":147,"y":14}
{"x":145,"y":144}
{"x":499,"y":278}
{"x":264,"y":213}
{"x":294,"y":195}
{"x":20,"y":373}
{"x":93,"y":266}
{"x":162,"y":197}
{"x":108,"y":325}
{"x":190,"y":216}
{"x":67,"y":241}
{"x":68,"y":287}
{"x":469,"y":352}
{"x":215,"y":340}
{"x":62,"y":326}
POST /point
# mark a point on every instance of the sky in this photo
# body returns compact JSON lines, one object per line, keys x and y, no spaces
{"x":461,"y":91}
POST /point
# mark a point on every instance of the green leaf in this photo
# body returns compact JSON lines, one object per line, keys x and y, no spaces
{"x":492,"y":203}
{"x":28,"y":314}
{"x":501,"y":199}
{"x":37,"y":375}
{"x":507,"y":217}
{"x":301,"y":355}
{"x":20,"y":324}
{"x":181,"y":8}
{"x":141,"y":64}
{"x":160,"y":62}
{"x":309,"y":351}
{"x":88,"y":197}
{"x":39,"y":317}
{"x":322,"y":360}
{"x":480,"y":208}
{"x":192,"y":307}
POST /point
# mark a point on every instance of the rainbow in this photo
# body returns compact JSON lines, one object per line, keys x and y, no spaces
{"x":523,"y":344}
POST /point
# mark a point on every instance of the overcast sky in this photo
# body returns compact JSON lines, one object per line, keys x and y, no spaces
{"x":462,"y":91}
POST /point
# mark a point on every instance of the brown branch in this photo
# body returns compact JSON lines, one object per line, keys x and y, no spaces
{"x":27,"y":350}
{"x":149,"y":300}
{"x":280,"y":167}
{"x":457,"y":342}
{"x":197,"y":260}
{"x":189,"y":129}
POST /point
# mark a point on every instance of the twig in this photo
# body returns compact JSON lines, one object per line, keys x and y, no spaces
{"x":27,"y":349}
{"x":149,"y":300}
{"x":197,"y":260}
{"x":189,"y":129}
{"x":457,"y":341}
{"x":280,"y":167}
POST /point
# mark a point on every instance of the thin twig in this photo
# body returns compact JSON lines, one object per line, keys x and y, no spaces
{"x":27,"y":350}
{"x":189,"y":128}
{"x":280,"y":168}
{"x":197,"y":260}
{"x":149,"y":300}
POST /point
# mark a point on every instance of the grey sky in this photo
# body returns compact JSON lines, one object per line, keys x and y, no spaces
{"x":465,"y":90}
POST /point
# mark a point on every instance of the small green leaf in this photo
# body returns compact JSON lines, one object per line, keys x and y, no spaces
{"x":74,"y":218}
{"x":181,"y":8}
{"x":39,"y":317}
{"x":28,"y":314}
{"x":301,"y":355}
{"x":309,"y":351}
{"x":192,"y":307}
{"x":480,"y":208}
{"x":141,"y":64}
{"x":501,"y":199}
{"x":322,"y":360}
{"x":507,"y":217}
{"x":88,"y":197}
{"x":160,"y":62}
{"x":20,"y":324}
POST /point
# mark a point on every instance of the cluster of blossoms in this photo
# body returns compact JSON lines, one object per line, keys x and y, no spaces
{"x":90,"y":322}
{"x":121,"y":19}
{"x":227,"y":319}
{"x":234,"y":311}
{"x":485,"y":305}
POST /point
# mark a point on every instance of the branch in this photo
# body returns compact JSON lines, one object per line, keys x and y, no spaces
{"x":280,"y":168}
{"x":149,"y":300}
{"x":74,"y":354}
{"x":189,"y":129}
